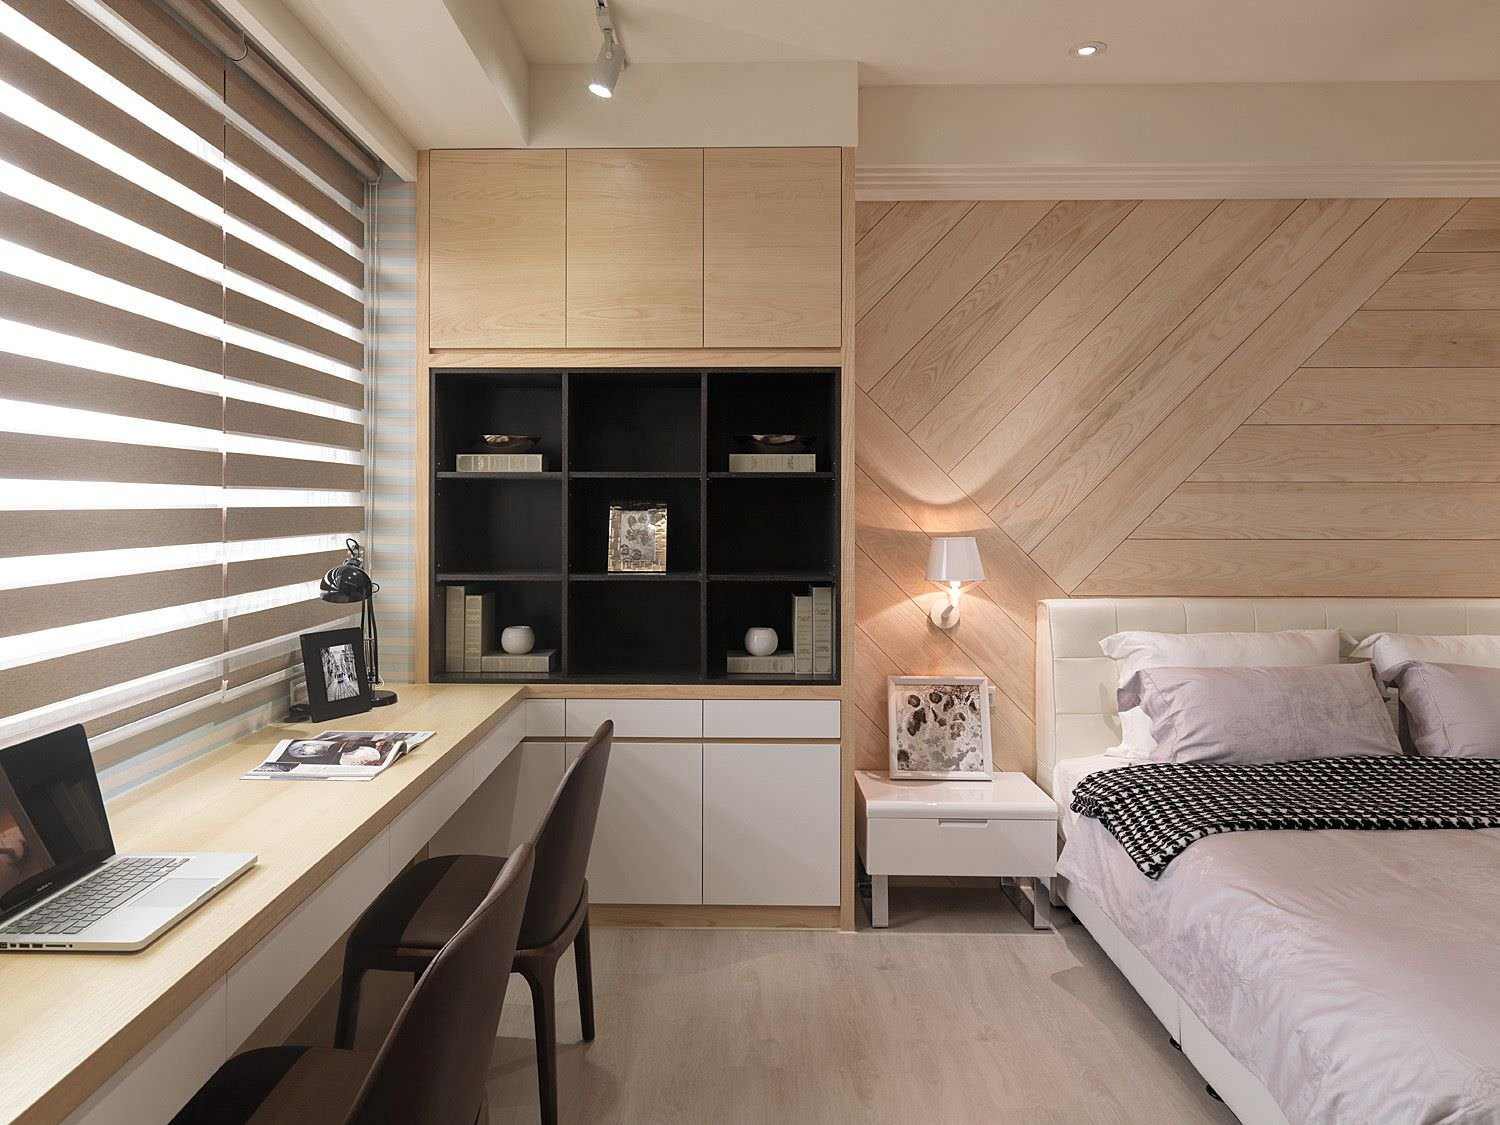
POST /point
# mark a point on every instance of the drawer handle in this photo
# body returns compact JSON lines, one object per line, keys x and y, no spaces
{"x":960,"y":822}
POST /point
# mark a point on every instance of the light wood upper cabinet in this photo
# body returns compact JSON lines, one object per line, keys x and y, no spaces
{"x":635,"y":248}
{"x":772,"y":268}
{"x":497,"y":249}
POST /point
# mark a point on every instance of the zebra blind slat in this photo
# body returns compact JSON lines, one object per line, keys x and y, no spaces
{"x":45,"y":533}
{"x":182,"y":429}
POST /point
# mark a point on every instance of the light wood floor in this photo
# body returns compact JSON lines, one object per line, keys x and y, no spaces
{"x":958,"y":1013}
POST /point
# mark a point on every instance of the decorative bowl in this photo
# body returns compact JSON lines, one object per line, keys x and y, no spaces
{"x":511,"y":443}
{"x":779,"y":443}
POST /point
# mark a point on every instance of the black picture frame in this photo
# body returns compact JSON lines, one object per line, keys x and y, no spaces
{"x":326,"y":666}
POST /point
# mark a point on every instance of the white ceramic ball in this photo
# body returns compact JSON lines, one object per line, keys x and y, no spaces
{"x":517,"y":639}
{"x":760,"y":641}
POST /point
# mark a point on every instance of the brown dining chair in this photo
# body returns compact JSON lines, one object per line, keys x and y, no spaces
{"x":412,"y":918}
{"x":431,"y":1067}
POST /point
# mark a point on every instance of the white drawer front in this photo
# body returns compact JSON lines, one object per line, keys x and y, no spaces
{"x":771,"y":824}
{"x":637,"y":718}
{"x":960,"y":846}
{"x":770,"y":718}
{"x":648,"y":846}
{"x":546,"y":718}
{"x":264,"y":976}
{"x":160,"y":1079}
{"x":498,"y":745}
{"x":420,"y":822}
{"x":542,"y":766}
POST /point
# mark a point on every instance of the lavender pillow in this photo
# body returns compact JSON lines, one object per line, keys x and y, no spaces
{"x":1451,"y":710}
{"x":1245,"y":715}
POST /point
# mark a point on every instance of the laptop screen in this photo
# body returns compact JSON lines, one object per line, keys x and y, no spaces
{"x":52,"y":823}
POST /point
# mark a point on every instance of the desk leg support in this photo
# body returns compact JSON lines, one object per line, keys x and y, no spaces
{"x":880,"y":901}
{"x":1041,"y":905}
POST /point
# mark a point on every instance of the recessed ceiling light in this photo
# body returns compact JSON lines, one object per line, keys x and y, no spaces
{"x":1089,"y":50}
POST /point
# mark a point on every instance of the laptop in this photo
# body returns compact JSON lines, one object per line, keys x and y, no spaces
{"x":62,"y":886}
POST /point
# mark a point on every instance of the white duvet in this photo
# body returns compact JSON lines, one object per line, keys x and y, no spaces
{"x":1356,"y":974}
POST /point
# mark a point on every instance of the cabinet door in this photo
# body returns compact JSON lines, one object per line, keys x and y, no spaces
{"x":771,"y":824}
{"x":635,"y":248}
{"x":507,"y":806}
{"x":648,"y":847}
{"x":772,"y":247}
{"x":497,"y":249}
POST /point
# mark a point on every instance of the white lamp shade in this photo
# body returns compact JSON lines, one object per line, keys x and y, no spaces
{"x":955,"y":559}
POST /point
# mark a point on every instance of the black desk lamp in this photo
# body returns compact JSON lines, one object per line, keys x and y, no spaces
{"x":349,"y":582}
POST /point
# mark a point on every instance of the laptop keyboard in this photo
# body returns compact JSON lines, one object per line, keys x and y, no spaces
{"x":80,"y":906}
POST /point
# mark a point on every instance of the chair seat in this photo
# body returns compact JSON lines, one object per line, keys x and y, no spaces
{"x":426,"y":904}
{"x":275,"y":1085}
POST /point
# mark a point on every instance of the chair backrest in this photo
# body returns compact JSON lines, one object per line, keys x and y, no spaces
{"x":563,"y":842}
{"x":433,"y":1065}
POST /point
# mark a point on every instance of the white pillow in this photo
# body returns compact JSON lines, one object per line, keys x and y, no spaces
{"x":1388,"y":650}
{"x":1133,"y":651}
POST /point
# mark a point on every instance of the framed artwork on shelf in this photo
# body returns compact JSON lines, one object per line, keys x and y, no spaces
{"x":939,"y":728}
{"x":637,"y":539}
{"x":338,"y":683}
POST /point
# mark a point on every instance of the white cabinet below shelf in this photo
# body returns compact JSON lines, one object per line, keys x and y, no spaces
{"x":771,"y":824}
{"x":648,"y":846}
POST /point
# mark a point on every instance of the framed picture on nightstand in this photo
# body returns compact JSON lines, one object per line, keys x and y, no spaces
{"x":939,"y":727}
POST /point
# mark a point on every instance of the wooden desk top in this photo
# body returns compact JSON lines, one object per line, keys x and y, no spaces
{"x":71,"y":1020}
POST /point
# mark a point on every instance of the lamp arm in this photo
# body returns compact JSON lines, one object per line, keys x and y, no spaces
{"x":374,"y":642}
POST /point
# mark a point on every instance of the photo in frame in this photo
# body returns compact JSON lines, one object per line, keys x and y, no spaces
{"x":637,"y":539}
{"x":337,"y":681}
{"x":939,"y":728}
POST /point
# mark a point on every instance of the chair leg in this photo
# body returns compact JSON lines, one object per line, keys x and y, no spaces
{"x":544,"y":1009}
{"x":584,"y":963}
{"x":348,"y":1021}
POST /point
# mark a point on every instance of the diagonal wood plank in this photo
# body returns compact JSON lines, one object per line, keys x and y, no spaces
{"x":939,"y":507}
{"x":1237,"y":387}
{"x":1475,"y":228}
{"x":1017,"y":442}
{"x":867,"y":216}
{"x":1320,"y":395}
{"x":935,"y":284}
{"x":1356,"y":453}
{"x":901,"y":240}
{"x":1298,"y":569}
{"x":1065,"y":317}
{"x":1326,"y":510}
{"x":994,"y":306}
{"x":1442,"y":281}
{"x":1414,"y":338}
{"x":1098,"y":445}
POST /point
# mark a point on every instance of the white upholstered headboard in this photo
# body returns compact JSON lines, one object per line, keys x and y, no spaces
{"x":1075,"y":682}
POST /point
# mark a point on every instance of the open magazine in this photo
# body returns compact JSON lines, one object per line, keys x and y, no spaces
{"x":338,"y":755}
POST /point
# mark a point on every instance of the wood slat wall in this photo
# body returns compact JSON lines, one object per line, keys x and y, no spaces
{"x":1232,"y":398}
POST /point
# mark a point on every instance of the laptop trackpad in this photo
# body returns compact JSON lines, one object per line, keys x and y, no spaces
{"x":175,"y":893}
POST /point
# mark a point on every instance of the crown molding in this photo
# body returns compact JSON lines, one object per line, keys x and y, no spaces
{"x":1363,"y":179}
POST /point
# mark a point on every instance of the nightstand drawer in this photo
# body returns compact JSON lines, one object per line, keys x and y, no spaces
{"x":958,"y":846}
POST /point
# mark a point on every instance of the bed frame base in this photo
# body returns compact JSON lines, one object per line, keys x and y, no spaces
{"x":1226,"y":1077}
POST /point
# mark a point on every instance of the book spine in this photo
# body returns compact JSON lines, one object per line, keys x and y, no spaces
{"x":742,"y":663}
{"x":822,"y":630}
{"x":802,"y":630}
{"x":499,"y":462}
{"x":526,"y":662}
{"x":453,"y":640}
{"x":773,"y":462}
{"x":479,"y":616}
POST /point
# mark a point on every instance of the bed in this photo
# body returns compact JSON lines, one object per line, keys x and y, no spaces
{"x":1354,"y":980}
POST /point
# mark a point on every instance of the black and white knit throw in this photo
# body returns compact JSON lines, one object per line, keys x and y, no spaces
{"x":1156,"y":810}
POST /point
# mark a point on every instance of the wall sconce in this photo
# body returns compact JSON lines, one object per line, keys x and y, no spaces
{"x":951,"y":563}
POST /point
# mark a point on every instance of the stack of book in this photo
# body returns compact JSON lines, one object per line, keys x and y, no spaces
{"x":814,"y":619}
{"x":773,"y":463}
{"x":469,"y":634}
{"x":499,"y":463}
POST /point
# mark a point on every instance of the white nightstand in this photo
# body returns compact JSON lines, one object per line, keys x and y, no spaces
{"x":1003,"y":827}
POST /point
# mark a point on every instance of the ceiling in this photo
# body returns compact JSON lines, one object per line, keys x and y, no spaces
{"x":985,"y":42}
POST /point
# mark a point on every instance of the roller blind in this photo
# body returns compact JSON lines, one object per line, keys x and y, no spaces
{"x":182,"y":325}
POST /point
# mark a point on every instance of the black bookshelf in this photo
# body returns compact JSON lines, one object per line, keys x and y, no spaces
{"x":740,"y":546}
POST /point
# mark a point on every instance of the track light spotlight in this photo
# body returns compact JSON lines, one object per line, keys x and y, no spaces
{"x":611,"y":60}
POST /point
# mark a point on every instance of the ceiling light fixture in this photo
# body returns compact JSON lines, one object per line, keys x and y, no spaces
{"x":1090,"y":50}
{"x":611,"y":60}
